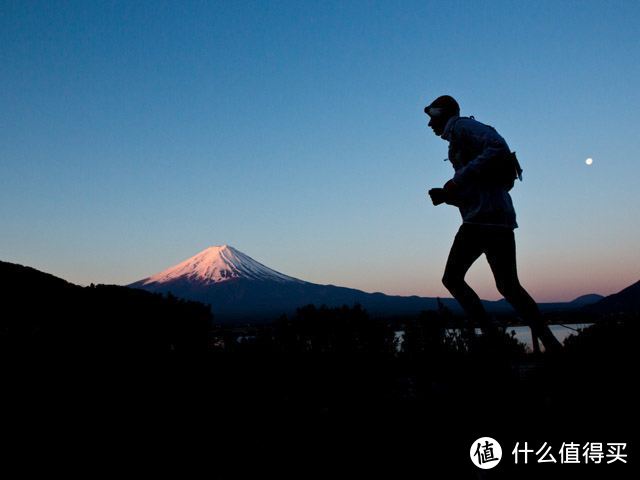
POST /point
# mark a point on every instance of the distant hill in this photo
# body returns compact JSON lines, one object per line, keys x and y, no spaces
{"x":585,"y":300}
{"x":45,"y":313}
{"x":625,"y":301}
{"x":502,"y":306}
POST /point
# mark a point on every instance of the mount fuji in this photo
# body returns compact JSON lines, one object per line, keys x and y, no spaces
{"x":218,"y":264}
{"x":241,"y":289}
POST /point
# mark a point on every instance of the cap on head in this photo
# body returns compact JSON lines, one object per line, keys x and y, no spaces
{"x":444,"y":105}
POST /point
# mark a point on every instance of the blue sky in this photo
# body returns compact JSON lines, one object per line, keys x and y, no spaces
{"x":135,"y":134}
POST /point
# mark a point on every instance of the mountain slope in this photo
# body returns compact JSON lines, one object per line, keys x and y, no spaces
{"x":44,"y":313}
{"x":625,"y":301}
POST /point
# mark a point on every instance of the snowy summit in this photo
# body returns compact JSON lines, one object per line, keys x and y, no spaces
{"x":218,"y":264}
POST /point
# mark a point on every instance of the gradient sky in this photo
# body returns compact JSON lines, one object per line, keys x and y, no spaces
{"x":135,"y":134}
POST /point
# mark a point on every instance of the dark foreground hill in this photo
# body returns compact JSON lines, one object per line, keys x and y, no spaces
{"x":325,"y":391}
{"x":43,"y":313}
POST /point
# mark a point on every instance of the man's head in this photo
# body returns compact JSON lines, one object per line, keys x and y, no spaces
{"x":440,"y":111}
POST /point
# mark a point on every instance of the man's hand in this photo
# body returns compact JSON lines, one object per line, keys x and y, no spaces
{"x":437,"y":195}
{"x":448,"y":194}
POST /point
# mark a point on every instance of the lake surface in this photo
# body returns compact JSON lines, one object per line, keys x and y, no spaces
{"x":561,"y":332}
{"x":523,"y":334}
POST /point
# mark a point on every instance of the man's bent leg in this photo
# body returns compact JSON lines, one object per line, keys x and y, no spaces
{"x":465,"y":250}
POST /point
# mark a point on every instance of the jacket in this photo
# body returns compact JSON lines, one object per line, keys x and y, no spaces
{"x":474,"y":149}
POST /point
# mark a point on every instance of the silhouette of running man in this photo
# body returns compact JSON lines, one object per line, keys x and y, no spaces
{"x":475,"y":151}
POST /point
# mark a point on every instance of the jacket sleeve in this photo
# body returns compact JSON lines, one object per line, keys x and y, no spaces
{"x":489,"y":143}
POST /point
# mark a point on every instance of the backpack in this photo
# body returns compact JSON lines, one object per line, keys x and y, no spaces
{"x":510,"y":170}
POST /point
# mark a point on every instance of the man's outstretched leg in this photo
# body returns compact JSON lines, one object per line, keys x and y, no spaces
{"x":501,"y":255}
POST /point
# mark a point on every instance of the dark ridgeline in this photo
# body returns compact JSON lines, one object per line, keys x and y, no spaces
{"x":43,"y":313}
{"x":322,"y":390}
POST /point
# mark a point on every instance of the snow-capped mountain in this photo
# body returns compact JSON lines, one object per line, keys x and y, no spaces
{"x":218,"y":264}
{"x":239,"y":288}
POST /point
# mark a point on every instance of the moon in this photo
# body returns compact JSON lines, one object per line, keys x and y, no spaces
{"x":589,"y":161}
